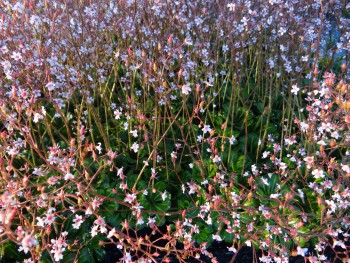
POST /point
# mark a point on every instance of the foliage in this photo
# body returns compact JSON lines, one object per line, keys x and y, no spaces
{"x":203,"y":122}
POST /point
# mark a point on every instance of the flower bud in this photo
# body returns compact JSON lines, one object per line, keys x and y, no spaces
{"x":332,"y":143}
{"x":343,"y":67}
{"x":170,"y":40}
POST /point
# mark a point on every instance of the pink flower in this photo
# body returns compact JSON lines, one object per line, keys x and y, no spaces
{"x":206,"y":129}
{"x":51,"y":86}
{"x":68,"y":176}
{"x":78,"y":220}
{"x":216,"y":159}
{"x":173,"y":155}
{"x":52,"y":180}
{"x":4,"y":49}
{"x":49,"y":219}
{"x":283,"y":166}
{"x":130,"y":198}
{"x":135,"y":147}
{"x":345,"y":168}
{"x":27,"y":242}
{"x":339,"y":243}
{"x":94,"y":230}
{"x":295,"y":89}
{"x":100,"y":221}
{"x":185,"y":89}
{"x":16,"y":56}
{"x":317,"y":173}
{"x":309,"y":160}
{"x":151,"y":221}
{"x":111,"y":233}
{"x":134,"y":133}
{"x":217,"y":238}
{"x":58,"y":254}
{"x":6,"y":65}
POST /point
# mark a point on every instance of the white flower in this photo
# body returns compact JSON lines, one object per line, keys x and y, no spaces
{"x":126,"y":125}
{"x":206,"y":129}
{"x":233,"y":140}
{"x":58,"y":254}
{"x":111,"y":233}
{"x":37,"y":117}
{"x":231,"y":6}
{"x":283,"y":166}
{"x":40,"y":222}
{"x":302,"y":251}
{"x":130,"y":198}
{"x":88,"y":211}
{"x":173,"y":155}
{"x":217,"y":238}
{"x":209,"y":221}
{"x":117,"y":114}
{"x":339,"y":243}
{"x":68,"y":176}
{"x":16,"y":56}
{"x":134,"y":133}
{"x":120,"y":172}
{"x":135,"y":147}
{"x":264,"y":181}
{"x":49,"y":219}
{"x":164,"y":195}
{"x":78,"y":220}
{"x":94,"y":230}
{"x":151,"y":221}
{"x":27,"y":242}
{"x":345,"y":168}
{"x":305,"y":58}
{"x":317,"y":173}
{"x":51,"y":86}
{"x":99,"y":148}
{"x":188,"y":41}
{"x":216,"y":159}
{"x":265,"y":154}
{"x":185,"y":89}
{"x":4,"y":49}
{"x":6,"y":65}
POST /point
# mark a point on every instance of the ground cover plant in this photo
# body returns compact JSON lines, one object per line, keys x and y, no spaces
{"x":202,"y":121}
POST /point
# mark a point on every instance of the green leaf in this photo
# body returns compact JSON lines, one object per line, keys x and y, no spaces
{"x":141,"y":185}
{"x":86,"y":256}
{"x":266,"y":190}
{"x":161,"y":186}
{"x":228,"y":237}
{"x":110,"y":206}
{"x":9,"y":252}
{"x":303,"y":230}
{"x":183,"y":204}
{"x":251,"y":202}
{"x":302,"y":241}
{"x":99,"y":254}
{"x":237,"y":166}
{"x":154,"y":202}
{"x":46,"y":258}
{"x":273,"y":182}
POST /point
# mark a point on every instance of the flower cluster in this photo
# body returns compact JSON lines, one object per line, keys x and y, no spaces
{"x":203,"y":121}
